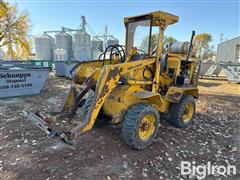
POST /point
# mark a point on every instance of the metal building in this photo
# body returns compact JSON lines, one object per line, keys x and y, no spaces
{"x":44,"y":47}
{"x":229,"y":51}
{"x":64,"y":41}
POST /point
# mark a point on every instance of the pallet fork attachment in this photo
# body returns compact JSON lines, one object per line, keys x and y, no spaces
{"x":62,"y":137}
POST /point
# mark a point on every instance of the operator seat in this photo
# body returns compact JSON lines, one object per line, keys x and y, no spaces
{"x":139,"y":56}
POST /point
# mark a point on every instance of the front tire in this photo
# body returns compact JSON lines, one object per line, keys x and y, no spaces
{"x":182,"y":113}
{"x":140,"y":126}
{"x":102,"y":119}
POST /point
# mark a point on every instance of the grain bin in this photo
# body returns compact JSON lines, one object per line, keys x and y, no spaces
{"x":44,"y":46}
{"x":60,"y":55}
{"x":64,"y":41}
{"x":96,"y":54}
{"x":82,"y":46}
{"x":110,"y":42}
{"x":97,"y":45}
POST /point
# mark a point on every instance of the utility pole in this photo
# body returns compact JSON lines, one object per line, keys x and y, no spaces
{"x":105,"y":35}
{"x":221,"y":37}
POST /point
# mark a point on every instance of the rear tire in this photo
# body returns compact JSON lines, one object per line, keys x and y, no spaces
{"x":140,"y":126}
{"x":182,"y":113}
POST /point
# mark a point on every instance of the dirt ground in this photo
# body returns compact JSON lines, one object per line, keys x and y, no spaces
{"x":26,"y":153}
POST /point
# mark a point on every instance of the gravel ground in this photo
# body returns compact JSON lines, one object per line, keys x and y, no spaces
{"x":26,"y":153}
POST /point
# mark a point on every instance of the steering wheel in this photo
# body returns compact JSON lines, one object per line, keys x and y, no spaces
{"x":114,"y":49}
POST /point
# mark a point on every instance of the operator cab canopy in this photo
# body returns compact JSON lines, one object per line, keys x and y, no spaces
{"x":139,"y":29}
{"x":157,"y":18}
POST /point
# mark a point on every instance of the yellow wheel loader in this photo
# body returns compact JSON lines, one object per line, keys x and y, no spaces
{"x":131,"y":84}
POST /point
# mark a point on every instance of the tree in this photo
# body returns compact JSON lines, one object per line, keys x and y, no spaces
{"x":14,"y":28}
{"x":154,"y":41}
{"x":145,"y":42}
{"x":168,"y":40}
{"x":209,"y":53}
{"x":201,"y":44}
{"x":3,"y":8}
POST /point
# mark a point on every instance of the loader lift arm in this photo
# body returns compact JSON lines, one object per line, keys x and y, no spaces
{"x":110,"y":76}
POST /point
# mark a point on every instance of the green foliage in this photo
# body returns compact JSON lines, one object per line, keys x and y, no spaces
{"x":154,"y":41}
{"x":168,"y":40}
{"x":145,"y":42}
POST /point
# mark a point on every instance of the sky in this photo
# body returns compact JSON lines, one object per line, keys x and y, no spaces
{"x":209,"y":16}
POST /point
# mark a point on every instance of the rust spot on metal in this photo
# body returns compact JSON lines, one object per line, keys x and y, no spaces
{"x":113,"y":73}
{"x":79,"y":79}
{"x":104,"y":91}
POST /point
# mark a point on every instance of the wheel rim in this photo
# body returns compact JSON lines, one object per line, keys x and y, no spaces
{"x":147,"y":127}
{"x":188,"y":112}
